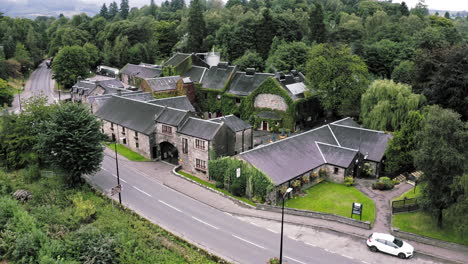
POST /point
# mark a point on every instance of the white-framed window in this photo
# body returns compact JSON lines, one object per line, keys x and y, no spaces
{"x":200,"y":144}
{"x":200,"y":164}
{"x":166,"y":129}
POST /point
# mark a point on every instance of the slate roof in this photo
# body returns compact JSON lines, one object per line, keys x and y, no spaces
{"x":244,"y":85}
{"x":334,"y":144}
{"x":269,"y":115}
{"x":178,"y":102}
{"x":195,"y":73}
{"x":171,"y":116}
{"x":133,"y":114}
{"x":200,"y":128}
{"x":141,"y":71}
{"x":347,"y":122}
{"x":293,"y":83}
{"x":176,"y":59}
{"x":217,"y":76}
{"x":233,"y":122}
{"x":112,"y":83}
{"x":162,"y":84}
{"x":100,"y":100}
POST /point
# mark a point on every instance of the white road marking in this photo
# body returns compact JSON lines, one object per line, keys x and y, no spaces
{"x":252,"y":243}
{"x":293,"y":238}
{"x":310,"y":244}
{"x":170,"y":206}
{"x":365,"y":262}
{"x":201,"y":221}
{"x":347,"y":256}
{"x":228,"y":213}
{"x":254,"y":224}
{"x":271,"y":230}
{"x":140,"y":190}
{"x":104,"y":168}
{"x":295,"y":260}
{"x":115,"y":176}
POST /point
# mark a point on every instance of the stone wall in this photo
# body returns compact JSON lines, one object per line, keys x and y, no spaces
{"x":319,"y":215}
{"x":427,"y":240}
{"x":172,"y":138}
{"x":271,"y":101}
{"x":244,"y":141}
{"x":335,"y":177}
{"x":188,"y":160}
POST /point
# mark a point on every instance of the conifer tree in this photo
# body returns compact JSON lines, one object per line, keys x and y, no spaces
{"x":316,"y":25}
{"x":447,"y":15}
{"x":197,"y":26}
{"x":113,"y":10}
{"x":104,"y":12}
{"x":152,"y":8}
{"x":265,"y":33}
{"x":124,"y":9}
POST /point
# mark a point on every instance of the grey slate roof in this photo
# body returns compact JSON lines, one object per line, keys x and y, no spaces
{"x":200,"y":128}
{"x":269,"y":115}
{"x":333,"y":144}
{"x":141,"y":71}
{"x":233,"y":122}
{"x":176,"y":59}
{"x":133,"y":114}
{"x":348,"y":121}
{"x":163,"y":83}
{"x":171,"y":116}
{"x":112,"y":83}
{"x":178,"y":102}
{"x":217,"y":76}
{"x":195,"y":73}
{"x":244,"y":85}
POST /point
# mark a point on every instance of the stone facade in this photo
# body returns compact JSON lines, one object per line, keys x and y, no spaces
{"x":271,"y":101}
{"x":188,"y":155}
{"x":244,"y":141}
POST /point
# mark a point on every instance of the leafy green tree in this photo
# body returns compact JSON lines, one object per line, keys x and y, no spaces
{"x":6,"y":94}
{"x":23,"y":57}
{"x":104,"y":12}
{"x":93,"y":54}
{"x":404,"y":72}
{"x":250,"y":59}
{"x":69,"y":64}
{"x":288,"y":56}
{"x":398,"y":154}
{"x":253,"y":4}
{"x":420,"y":9}
{"x":404,"y":9}
{"x":113,"y":10}
{"x":120,"y":52}
{"x":441,"y":154}
{"x":124,"y":9}
{"x":338,"y":77}
{"x":197,"y":28}
{"x":316,"y":24}
{"x":138,"y":53}
{"x":447,"y":15}
{"x":439,"y":76}
{"x":385,"y":105}
{"x":264,"y":33}
{"x":456,"y":215}
{"x":68,"y":36}
{"x":152,"y":9}
{"x":383,"y":56}
{"x":71,"y":140}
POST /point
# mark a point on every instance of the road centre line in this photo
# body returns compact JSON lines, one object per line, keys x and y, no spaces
{"x":347,"y":256}
{"x":310,"y":244}
{"x":295,"y":260}
{"x":252,"y":243}
{"x":142,"y":191}
{"x":170,"y":206}
{"x":271,"y":230}
{"x":201,"y":221}
{"x":115,"y":176}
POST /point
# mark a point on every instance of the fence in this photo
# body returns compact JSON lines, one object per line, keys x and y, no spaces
{"x":405,"y":205}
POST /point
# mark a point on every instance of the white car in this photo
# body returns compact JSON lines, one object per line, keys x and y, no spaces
{"x":389,"y":244}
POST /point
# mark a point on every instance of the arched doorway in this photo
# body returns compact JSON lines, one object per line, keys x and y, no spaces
{"x":169,"y":153}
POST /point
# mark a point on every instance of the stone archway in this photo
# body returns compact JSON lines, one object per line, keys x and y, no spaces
{"x":169,"y":153}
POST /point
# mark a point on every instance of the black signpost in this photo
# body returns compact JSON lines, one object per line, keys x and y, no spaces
{"x":357,"y":210}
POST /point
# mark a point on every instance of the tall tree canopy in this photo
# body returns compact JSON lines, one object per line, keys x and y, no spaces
{"x":316,"y":24}
{"x":69,"y":64}
{"x":197,"y":27}
{"x":441,"y":154}
{"x":385,"y":105}
{"x":124,"y":9}
{"x":338,"y":77}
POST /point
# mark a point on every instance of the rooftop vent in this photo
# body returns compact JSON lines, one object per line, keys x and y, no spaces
{"x":223,"y":65}
{"x":250,"y":71}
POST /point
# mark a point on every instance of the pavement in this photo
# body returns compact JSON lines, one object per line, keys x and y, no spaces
{"x":345,"y":239}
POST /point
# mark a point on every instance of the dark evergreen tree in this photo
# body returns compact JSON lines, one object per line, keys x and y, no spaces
{"x":447,"y":15}
{"x":316,"y":25}
{"x":404,"y":9}
{"x":124,"y":9}
{"x":104,"y":12}
{"x":113,"y":10}
{"x":175,"y":5}
{"x":253,"y":4}
{"x":265,"y":33}
{"x":197,"y":27}
{"x":152,"y":8}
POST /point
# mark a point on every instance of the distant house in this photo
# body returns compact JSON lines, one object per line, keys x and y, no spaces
{"x":86,"y":88}
{"x":181,"y":63}
{"x":243,"y":133}
{"x":132,"y":74}
{"x":342,"y":148}
{"x":160,"y":85}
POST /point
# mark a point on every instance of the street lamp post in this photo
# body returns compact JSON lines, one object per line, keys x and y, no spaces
{"x":282,"y":223}
{"x":117,"y":166}
{"x":19,"y":100}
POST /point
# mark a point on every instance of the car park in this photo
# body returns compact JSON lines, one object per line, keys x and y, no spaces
{"x":389,"y":244}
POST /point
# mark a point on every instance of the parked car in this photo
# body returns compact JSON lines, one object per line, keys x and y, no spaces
{"x":390,"y":245}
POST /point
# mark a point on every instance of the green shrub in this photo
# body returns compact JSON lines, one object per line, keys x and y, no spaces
{"x":274,"y":260}
{"x":84,"y":209}
{"x":383,"y":183}
{"x":31,"y":174}
{"x":323,"y":173}
{"x":305,"y":179}
{"x":237,"y":189}
{"x":348,"y":181}
{"x":219,"y":185}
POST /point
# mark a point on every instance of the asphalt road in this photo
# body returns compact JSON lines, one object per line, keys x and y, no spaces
{"x":218,"y":232}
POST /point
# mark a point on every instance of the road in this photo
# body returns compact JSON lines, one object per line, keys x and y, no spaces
{"x":218,"y":232}
{"x":39,"y":83}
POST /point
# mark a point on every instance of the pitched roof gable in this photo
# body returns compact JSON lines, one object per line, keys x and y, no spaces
{"x":162,"y":84}
{"x":216,"y":77}
{"x":243,"y":84}
{"x":200,"y":128}
{"x":141,"y":71}
{"x":178,"y":102}
{"x":233,"y":122}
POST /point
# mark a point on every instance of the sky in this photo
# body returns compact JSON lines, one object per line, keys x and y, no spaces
{"x":452,"y":5}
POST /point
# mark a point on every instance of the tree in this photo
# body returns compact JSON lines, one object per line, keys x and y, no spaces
{"x":152,"y":9}
{"x":404,"y":9}
{"x":93,"y":54}
{"x":104,"y":12}
{"x":6,"y":94}
{"x":441,"y":154}
{"x":197,"y":27}
{"x":71,"y":140}
{"x":383,"y":56}
{"x":120,"y":55}
{"x":69,"y":64}
{"x":385,"y":105}
{"x":440,"y":77}
{"x":316,"y":24}
{"x":250,"y":59}
{"x":113,"y":10}
{"x":264,"y":34}
{"x":447,"y":15}
{"x":288,"y":56}
{"x":138,"y":53}
{"x":420,"y":9}
{"x":23,"y":57}
{"x":400,"y":148}
{"x":404,"y":72}
{"x":124,"y":8}
{"x":456,"y":213}
{"x":338,"y":77}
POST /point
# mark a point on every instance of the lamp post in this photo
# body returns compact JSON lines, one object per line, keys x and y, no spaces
{"x":19,"y":99}
{"x":282,"y":223}
{"x":117,"y":165}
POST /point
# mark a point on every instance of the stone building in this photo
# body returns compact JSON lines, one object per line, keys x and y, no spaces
{"x":243,"y":133}
{"x":96,"y":86}
{"x":132,"y":74}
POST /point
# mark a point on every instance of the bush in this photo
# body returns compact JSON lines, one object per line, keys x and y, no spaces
{"x":31,"y":173}
{"x":219,"y":185}
{"x":348,"y":181}
{"x":305,"y":179}
{"x":323,"y":173}
{"x":296,"y":184}
{"x":274,"y":260}
{"x":383,"y":183}
{"x":84,"y":209}
{"x":237,"y":189}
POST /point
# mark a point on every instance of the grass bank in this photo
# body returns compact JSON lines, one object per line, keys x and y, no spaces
{"x":77,"y":225}
{"x":126,"y":152}
{"x":212,"y":186}
{"x":410,"y":194}
{"x":334,"y":198}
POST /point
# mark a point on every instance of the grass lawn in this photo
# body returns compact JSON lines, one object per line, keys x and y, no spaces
{"x":212,"y":186}
{"x":334,"y":198}
{"x":424,"y":224}
{"x":124,"y":151}
{"x":410,"y":194}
